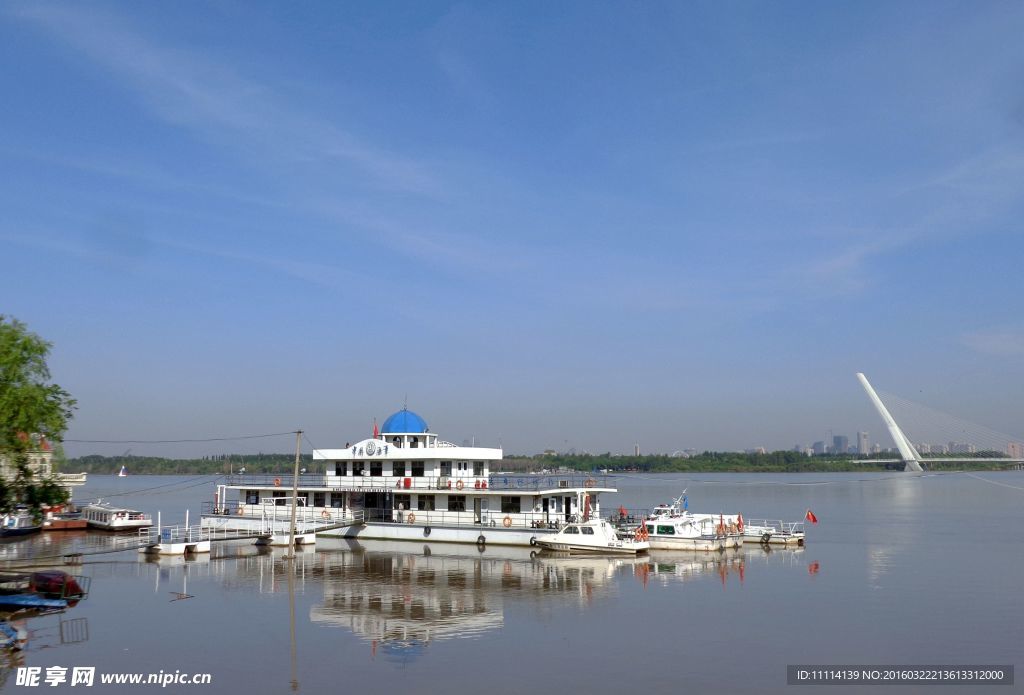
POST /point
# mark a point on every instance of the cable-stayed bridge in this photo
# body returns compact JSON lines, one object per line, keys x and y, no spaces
{"x":964,"y":437}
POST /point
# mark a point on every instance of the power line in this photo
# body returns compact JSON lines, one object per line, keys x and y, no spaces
{"x":175,"y":441}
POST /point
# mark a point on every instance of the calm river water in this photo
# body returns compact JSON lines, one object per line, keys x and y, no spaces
{"x":901,"y":569}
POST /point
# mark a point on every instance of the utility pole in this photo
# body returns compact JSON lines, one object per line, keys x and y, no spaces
{"x":295,"y":494}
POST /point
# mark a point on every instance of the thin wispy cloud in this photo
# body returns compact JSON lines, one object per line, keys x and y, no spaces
{"x":995,"y":343}
{"x":214,"y":99}
{"x":321,"y":274}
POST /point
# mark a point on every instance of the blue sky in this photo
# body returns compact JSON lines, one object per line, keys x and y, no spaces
{"x":548,"y":225}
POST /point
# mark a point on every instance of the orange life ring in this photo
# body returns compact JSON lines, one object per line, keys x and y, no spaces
{"x":507,"y":522}
{"x":459,"y":484}
{"x":325,"y":514}
{"x":277,"y":482}
{"x":641,"y":533}
{"x":412,"y":518}
{"x":241,"y":510}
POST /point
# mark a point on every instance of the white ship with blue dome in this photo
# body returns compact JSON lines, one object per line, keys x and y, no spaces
{"x":405,"y":483}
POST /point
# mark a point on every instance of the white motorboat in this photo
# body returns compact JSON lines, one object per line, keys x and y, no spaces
{"x":407,"y":484}
{"x":673,"y":527}
{"x":18,"y":523}
{"x":105,"y":516}
{"x":594,"y":536}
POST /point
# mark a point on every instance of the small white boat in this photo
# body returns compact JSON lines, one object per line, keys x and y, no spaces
{"x":18,"y":523}
{"x":771,"y":532}
{"x":594,"y":536}
{"x":109,"y":518}
{"x":123,"y":473}
{"x":672,"y":527}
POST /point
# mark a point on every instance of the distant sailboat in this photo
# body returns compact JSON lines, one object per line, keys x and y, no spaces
{"x":123,"y":473}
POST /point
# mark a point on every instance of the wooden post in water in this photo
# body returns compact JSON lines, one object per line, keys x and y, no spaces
{"x":295,"y":494}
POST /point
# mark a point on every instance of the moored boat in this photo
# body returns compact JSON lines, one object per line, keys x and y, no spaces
{"x":19,"y":523}
{"x":405,"y":483}
{"x":771,"y":532}
{"x":110,"y":518}
{"x":674,"y":527}
{"x":593,"y":536}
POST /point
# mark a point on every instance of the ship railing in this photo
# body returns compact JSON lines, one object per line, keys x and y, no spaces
{"x":776,"y":527}
{"x":195,"y":534}
{"x":485,"y":519}
{"x":628,"y":518}
{"x":282,"y":512}
{"x":402,"y":482}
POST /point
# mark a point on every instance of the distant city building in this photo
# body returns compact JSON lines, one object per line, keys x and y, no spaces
{"x":636,"y":449}
{"x":876,"y":448}
{"x":1015,"y":450}
{"x":924,"y":448}
{"x":840,"y":444}
{"x":962,"y":448}
{"x":758,"y":450}
{"x":862,"y":444}
{"x":818,"y":448}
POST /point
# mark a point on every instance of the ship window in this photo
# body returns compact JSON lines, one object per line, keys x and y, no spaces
{"x":650,"y":528}
{"x":666,"y":531}
{"x":376,"y":468}
{"x":340,"y":468}
{"x":403,"y":501}
{"x":417,"y":469}
{"x":587,"y":531}
{"x":446,"y":468}
{"x":571,"y":529}
{"x":478,"y":468}
{"x":414,"y":442}
{"x":319,"y":499}
{"x":337,"y":499}
{"x":425,"y":503}
{"x":510,"y":505}
{"x":397,"y":441}
{"x":456,"y":503}
{"x":398,"y":468}
{"x":357,"y":467}
{"x":279,"y":497}
{"x":252,"y":496}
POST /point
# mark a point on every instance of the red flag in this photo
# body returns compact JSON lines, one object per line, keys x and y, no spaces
{"x":376,"y":432}
{"x":810,"y":517}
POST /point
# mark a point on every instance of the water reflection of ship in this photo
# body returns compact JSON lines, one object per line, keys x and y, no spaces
{"x":400,"y":597}
{"x":674,"y":566}
{"x":668,"y":566}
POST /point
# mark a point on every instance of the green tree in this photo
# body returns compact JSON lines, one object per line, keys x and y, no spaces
{"x":30,"y":407}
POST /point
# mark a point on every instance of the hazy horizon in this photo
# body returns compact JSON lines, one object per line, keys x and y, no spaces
{"x":587,"y":225}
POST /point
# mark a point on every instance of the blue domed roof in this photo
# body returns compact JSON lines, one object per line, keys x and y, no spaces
{"x":404,"y":422}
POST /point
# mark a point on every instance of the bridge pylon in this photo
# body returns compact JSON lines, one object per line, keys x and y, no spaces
{"x":911,"y":459}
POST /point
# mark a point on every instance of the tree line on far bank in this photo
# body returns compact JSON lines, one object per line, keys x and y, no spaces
{"x":709,"y":461}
